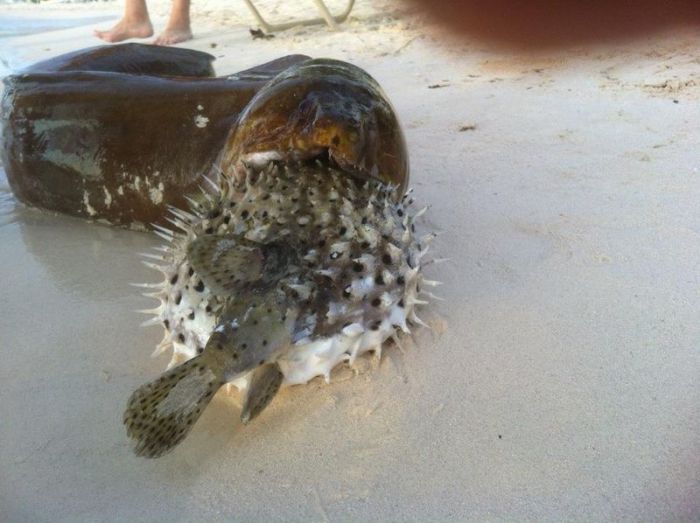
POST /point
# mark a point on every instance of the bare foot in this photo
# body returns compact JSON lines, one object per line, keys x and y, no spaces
{"x":124,"y":30}
{"x":173,"y":36}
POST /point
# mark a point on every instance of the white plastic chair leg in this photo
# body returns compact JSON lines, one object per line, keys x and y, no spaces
{"x":327,"y":17}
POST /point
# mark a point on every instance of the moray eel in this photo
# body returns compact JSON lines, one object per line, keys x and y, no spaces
{"x":118,"y":133}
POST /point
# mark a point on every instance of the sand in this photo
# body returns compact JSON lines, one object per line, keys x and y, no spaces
{"x":561,"y":382}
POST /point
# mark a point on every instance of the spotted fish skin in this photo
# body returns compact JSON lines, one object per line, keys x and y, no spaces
{"x":249,"y":334}
{"x":159,"y":415}
{"x":331,"y":260}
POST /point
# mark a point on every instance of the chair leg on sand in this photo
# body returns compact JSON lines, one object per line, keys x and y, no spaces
{"x":327,"y":17}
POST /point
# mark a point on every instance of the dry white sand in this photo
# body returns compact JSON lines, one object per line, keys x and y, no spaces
{"x":563,"y":383}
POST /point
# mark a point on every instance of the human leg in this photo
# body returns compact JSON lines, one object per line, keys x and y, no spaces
{"x":134,"y":24}
{"x":178,"y":28}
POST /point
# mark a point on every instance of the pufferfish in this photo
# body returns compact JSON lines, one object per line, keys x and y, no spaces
{"x":301,"y":255}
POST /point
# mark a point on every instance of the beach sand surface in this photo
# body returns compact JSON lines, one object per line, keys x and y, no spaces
{"x":561,"y":378}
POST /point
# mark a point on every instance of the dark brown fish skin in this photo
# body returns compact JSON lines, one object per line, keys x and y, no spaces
{"x":98,"y":143}
{"x":323,"y":107}
{"x":133,"y":59}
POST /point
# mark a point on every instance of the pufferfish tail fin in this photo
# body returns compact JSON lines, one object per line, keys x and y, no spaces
{"x":159,"y":414}
{"x":231,"y":263}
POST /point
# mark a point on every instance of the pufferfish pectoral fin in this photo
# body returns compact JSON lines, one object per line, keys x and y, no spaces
{"x":225,"y":263}
{"x":264,"y":384}
{"x":232,"y":263}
